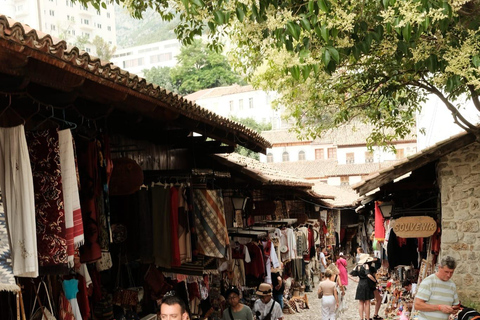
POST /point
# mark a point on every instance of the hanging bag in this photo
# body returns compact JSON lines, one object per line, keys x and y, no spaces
{"x":42,"y":312}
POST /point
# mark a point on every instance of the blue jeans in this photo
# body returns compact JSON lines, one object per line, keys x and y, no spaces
{"x":279,"y":298}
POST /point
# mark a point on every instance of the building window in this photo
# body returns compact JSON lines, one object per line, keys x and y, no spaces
{"x":108,"y":14}
{"x":51,"y":13}
{"x":269,"y":157}
{"x":109,"y":28}
{"x":133,"y":63}
{"x":332,"y":153}
{"x":73,"y":32}
{"x":240,"y":104}
{"x":87,"y":49}
{"x":301,"y":155}
{"x":231,"y":105}
{"x":344,"y":181}
{"x":400,"y":154}
{"x":99,"y":26}
{"x":52,"y":27}
{"x":368,"y":157}
{"x":250,"y":103}
{"x":285,"y":157}
{"x":85,"y":21}
{"x":350,"y":157}
{"x":319,"y":154}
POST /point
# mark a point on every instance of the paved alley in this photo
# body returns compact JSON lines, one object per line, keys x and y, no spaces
{"x":315,"y":304}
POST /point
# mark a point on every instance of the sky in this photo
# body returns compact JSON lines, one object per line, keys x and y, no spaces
{"x":438,"y":122}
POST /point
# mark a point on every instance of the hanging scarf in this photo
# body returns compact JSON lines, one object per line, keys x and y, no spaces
{"x":73,"y":212}
{"x":7,"y":280}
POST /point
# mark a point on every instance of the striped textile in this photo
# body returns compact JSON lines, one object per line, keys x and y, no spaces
{"x":71,"y":199}
{"x":7,"y":280}
{"x":210,"y":222}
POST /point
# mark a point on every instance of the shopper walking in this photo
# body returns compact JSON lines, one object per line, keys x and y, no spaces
{"x":330,"y":298}
{"x":341,"y":264}
{"x":236,"y":310}
{"x":364,"y":292}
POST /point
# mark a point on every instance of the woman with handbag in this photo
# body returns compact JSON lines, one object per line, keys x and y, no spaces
{"x":327,"y":291}
{"x":364,"y":291}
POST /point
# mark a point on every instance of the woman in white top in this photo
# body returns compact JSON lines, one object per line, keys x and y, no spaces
{"x":330,"y":298}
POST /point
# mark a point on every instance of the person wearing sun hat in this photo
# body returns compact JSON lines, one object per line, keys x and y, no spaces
{"x":364,"y":292}
{"x":265,"y":307}
{"x":236,"y":310}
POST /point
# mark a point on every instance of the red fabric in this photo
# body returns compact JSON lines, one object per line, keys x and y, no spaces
{"x":82,"y":297}
{"x":238,"y":252}
{"x":257,"y":266}
{"x":43,"y":148}
{"x":65,"y":308}
{"x":379,"y":227}
{"x":176,"y":262}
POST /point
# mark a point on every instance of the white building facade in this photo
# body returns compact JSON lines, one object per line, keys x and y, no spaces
{"x":65,"y":19}
{"x":240,"y":102}
{"x":144,"y":57}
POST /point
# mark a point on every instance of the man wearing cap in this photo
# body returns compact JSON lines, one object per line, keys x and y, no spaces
{"x":437,"y":297}
{"x":236,"y":310}
{"x":265,"y":307}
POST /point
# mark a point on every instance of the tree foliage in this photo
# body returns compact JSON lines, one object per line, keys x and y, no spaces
{"x":338,"y":60}
{"x":104,"y":50}
{"x":197,"y":68}
{"x":254,"y":125}
{"x":201,"y":68}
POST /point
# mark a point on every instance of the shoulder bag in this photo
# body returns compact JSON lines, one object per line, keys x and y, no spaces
{"x":42,"y":312}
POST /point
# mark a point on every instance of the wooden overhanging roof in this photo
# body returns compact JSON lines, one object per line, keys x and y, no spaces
{"x":268,"y":177}
{"x":414,"y":162}
{"x":34,"y":65}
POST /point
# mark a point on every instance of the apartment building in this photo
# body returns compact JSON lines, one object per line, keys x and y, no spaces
{"x":65,"y":19}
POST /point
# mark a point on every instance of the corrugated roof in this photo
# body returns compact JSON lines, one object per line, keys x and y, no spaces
{"x":27,"y":54}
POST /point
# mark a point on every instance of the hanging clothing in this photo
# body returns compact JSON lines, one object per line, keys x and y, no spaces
{"x":162,"y":249}
{"x":7,"y":280}
{"x":184,"y":234}
{"x":43,"y":147}
{"x":210,"y":222}
{"x":87,"y":157}
{"x":144,"y":214}
{"x":271,"y":260}
{"x":70,"y":287}
{"x":71,"y":199}
{"x":16,"y":184}
{"x":174,"y":227}
{"x":379,"y":224}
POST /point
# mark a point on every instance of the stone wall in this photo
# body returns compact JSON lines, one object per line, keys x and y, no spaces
{"x":459,"y":181}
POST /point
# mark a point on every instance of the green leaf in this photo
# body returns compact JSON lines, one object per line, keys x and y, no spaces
{"x":211,"y":26}
{"x":219,"y":17}
{"x":198,"y":3}
{"x":407,"y":32}
{"x":305,"y":24}
{"x":323,"y":5}
{"x":432,"y":63}
{"x":334,"y":53}
{"x":240,"y":13}
{"x":316,"y":68}
{"x":476,"y":61}
{"x":324,"y":33}
{"x":295,"y":71}
{"x":293,"y":29}
{"x":306,"y":71}
{"x":326,"y":57}
{"x":385,"y":4}
{"x":311,"y":7}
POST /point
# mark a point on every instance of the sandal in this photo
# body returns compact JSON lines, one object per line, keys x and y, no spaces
{"x":377,"y":317}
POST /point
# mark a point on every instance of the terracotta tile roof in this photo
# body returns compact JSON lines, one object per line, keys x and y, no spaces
{"x":329,"y":168}
{"x":349,"y":134}
{"x":218,"y":92}
{"x":269,"y":175}
{"x":28,"y":44}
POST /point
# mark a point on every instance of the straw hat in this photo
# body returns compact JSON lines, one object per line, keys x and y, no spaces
{"x":364,"y":258}
{"x":264,"y":289}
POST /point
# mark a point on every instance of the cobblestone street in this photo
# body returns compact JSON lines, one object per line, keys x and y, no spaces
{"x":315,"y":304}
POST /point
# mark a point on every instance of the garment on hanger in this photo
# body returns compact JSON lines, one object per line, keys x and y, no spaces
{"x":184,"y":235}
{"x":210,"y":223}
{"x":70,"y":287}
{"x":162,"y":250}
{"x":271,"y":260}
{"x":176,"y":262}
{"x":71,"y":199}
{"x":7,"y":280}
{"x":43,"y":147}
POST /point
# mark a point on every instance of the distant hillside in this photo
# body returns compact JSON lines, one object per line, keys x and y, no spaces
{"x":133,"y":32}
